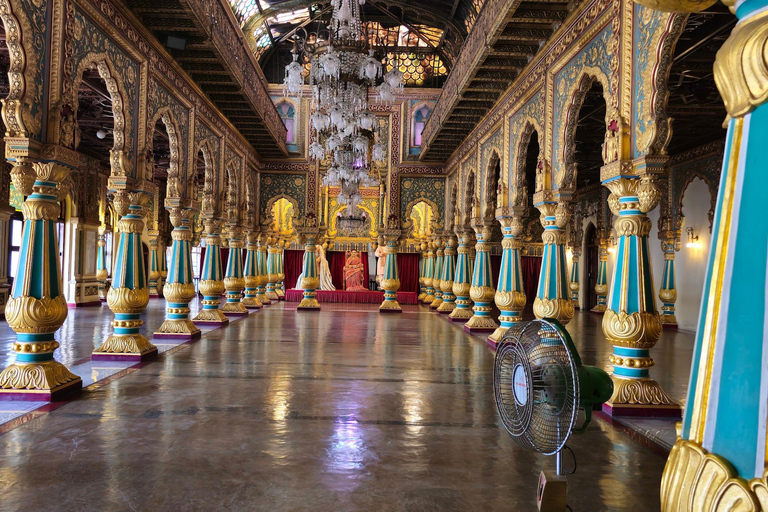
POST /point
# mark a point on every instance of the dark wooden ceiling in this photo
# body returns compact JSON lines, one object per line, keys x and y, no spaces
{"x":214,"y":69}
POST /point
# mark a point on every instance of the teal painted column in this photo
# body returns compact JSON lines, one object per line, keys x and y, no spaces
{"x":311,"y":275}
{"x":251,"y":272}
{"x":391,"y":281}
{"x":429,"y":270}
{"x":280,"y":285}
{"x":437,"y":274}
{"x":552,"y":296}
{"x":449,"y":273}
{"x":154,"y":262}
{"x":37,"y":307}
{"x":670,"y":244}
{"x":422,"y":269}
{"x":724,"y":427}
{"x":462,"y":280}
{"x":272,"y":269}
{"x":510,"y":293}
{"x":234,"y":282}
{"x":261,"y":265}
{"x":211,"y":276}
{"x":163,"y":258}
{"x":574,"y":285}
{"x":482,"y":291}
{"x":601,"y":284}
{"x":101,"y":264}
{"x":631,"y":321}
{"x":129,"y":294}
{"x":179,"y":290}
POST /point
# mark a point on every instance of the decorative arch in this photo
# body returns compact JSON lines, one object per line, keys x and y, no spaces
{"x":232,"y":203}
{"x":252,"y":217}
{"x":174,"y":188}
{"x":406,"y":222}
{"x":416,"y":111}
{"x":118,"y":164}
{"x":276,"y":198}
{"x":370,"y":218}
{"x":491,"y":195}
{"x":712,"y":185}
{"x":209,"y":198}
{"x":519,"y":180}
{"x":289,"y":114}
{"x":469,"y":198}
{"x":453,"y":211}
{"x":583,"y":84}
{"x":17,"y":114}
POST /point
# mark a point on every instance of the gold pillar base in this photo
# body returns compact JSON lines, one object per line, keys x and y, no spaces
{"x":262,"y":297}
{"x":599,"y":308}
{"x":461,"y":315}
{"x":181,"y":328}
{"x":446,"y":307}
{"x":436,"y":303}
{"x":310,"y":304}
{"x":125,"y":347}
{"x":390,"y":306}
{"x":251,"y":303}
{"x":559,"y":309}
{"x":47,"y":381}
{"x":280,"y":293}
{"x":272,"y":296}
{"x":495,"y":338}
{"x":668,"y":321}
{"x":234,"y":309}
{"x":210,"y":317}
{"x":695,"y":480}
{"x":421,"y":296}
{"x":428,"y":299}
{"x":481,"y":324}
{"x":640,"y":397}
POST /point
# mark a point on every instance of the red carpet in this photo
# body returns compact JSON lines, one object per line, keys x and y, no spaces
{"x":367,"y":297}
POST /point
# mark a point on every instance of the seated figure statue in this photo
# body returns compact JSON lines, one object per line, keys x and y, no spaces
{"x":354,"y":273}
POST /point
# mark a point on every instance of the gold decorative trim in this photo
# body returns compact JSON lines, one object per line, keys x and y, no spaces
{"x":36,"y":376}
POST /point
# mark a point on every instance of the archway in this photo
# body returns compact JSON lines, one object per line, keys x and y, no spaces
{"x":421,"y":217}
{"x":591,"y":263}
{"x":283,"y":213}
{"x":589,"y":137}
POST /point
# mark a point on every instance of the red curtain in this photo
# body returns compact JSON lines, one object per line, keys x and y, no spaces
{"x":336,"y":260}
{"x":408,"y":270}
{"x":293,"y":260}
{"x":531,"y":268}
{"x":364,"y":257}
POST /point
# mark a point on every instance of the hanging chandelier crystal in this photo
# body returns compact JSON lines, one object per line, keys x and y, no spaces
{"x":342,"y":70}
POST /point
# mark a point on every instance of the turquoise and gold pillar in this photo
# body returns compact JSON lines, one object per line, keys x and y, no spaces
{"x":391,"y":281}
{"x":670,"y":244}
{"x":261,"y":265}
{"x":179,"y":290}
{"x":154,"y":262}
{"x":601,"y":284}
{"x":129,"y":294}
{"x":510,"y":294}
{"x":211,"y":277}
{"x":482,"y":291}
{"x":101,"y":264}
{"x":437,"y":274}
{"x":552,"y":296}
{"x":449,"y":273}
{"x":429,"y":270}
{"x":462,"y":280}
{"x":251,"y":272}
{"x":720,"y":457}
{"x":422,"y":270}
{"x":163,"y":258}
{"x":574,"y":285}
{"x":37,"y":307}
{"x":234,"y":282}
{"x":280,"y":284}
{"x":310,"y":281}
{"x":631,"y":322}
{"x":272,"y":270}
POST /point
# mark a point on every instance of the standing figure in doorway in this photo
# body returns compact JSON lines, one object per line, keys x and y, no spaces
{"x":381,"y":260}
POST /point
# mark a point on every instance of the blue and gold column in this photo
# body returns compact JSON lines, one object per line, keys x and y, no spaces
{"x":449,"y":272}
{"x":721,"y":453}
{"x":211,"y":277}
{"x":429,"y":270}
{"x":280,"y":284}
{"x":437,"y":274}
{"x":462,"y":280}
{"x":101,"y":264}
{"x":574,"y":285}
{"x":422,"y":269}
{"x":631,"y":322}
{"x":310,"y":281}
{"x":163,"y":259}
{"x":482,"y":291}
{"x":179,"y":290}
{"x":154,"y":262}
{"x":234,"y":282}
{"x":129,"y":294}
{"x":251,"y":272}
{"x":272,"y":270}
{"x":261,"y":265}
{"x":510,"y":293}
{"x":391,"y":281}
{"x":552,"y":296}
{"x":37,"y":307}
{"x":601,"y":284}
{"x":670,"y":244}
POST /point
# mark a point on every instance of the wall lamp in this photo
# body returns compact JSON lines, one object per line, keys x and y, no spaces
{"x":693,"y":239}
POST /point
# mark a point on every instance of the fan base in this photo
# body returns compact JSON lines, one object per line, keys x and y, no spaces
{"x":552,"y":492}
{"x":643,"y":411}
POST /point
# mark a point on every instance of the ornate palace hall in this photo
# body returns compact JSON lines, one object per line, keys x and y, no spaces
{"x":383,"y":255}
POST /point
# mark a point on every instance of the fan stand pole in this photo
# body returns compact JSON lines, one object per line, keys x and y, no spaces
{"x":559,"y":463}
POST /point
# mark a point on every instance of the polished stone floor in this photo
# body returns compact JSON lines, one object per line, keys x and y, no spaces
{"x":342,"y":410}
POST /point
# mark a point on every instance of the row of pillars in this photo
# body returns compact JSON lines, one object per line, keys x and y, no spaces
{"x":37,"y":307}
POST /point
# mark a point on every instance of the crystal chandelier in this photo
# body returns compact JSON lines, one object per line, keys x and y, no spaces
{"x":342,"y":69}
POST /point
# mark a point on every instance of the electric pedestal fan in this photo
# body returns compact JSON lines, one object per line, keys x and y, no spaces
{"x":540,"y":385}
